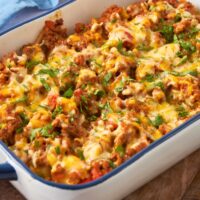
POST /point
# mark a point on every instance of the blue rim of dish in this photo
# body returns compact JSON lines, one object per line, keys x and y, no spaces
{"x":115,"y":171}
{"x":38,"y":16}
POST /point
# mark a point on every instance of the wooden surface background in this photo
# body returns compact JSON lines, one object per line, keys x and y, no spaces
{"x":181,"y":182}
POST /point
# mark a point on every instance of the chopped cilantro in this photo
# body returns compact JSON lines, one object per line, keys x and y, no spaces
{"x":80,"y":154}
{"x":168,"y":33}
{"x":158,"y":121}
{"x":191,"y":72}
{"x":114,"y":20}
{"x":44,"y":131}
{"x":84,"y":99}
{"x":31,"y":64}
{"x":187,"y":46}
{"x":24,"y":122}
{"x":149,"y":78}
{"x":68,"y":93}
{"x":92,"y":118}
{"x":177,"y":18}
{"x":51,"y":72}
{"x":160,"y":85}
{"x":45,"y":84}
{"x":83,"y":103}
{"x":142,"y":47}
{"x":122,"y":51}
{"x":57,"y":150}
{"x":33,"y":134}
{"x":106,"y":78}
{"x":182,"y":112}
{"x":99,"y":93}
{"x":57,"y":111}
{"x":21,"y":100}
{"x":45,"y":107}
{"x":138,"y":121}
{"x":183,"y":60}
{"x":112,"y":164}
{"x":120,"y":87}
{"x":193,"y":31}
{"x":120,"y":149}
{"x":36,"y":144}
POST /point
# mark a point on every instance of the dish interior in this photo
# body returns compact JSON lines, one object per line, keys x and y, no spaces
{"x":74,"y":107}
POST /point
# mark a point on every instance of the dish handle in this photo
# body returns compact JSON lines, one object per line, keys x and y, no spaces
{"x":7,"y":172}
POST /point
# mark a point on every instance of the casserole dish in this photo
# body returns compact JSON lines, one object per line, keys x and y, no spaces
{"x":139,"y":174}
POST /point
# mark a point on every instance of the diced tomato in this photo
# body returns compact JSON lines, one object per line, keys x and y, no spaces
{"x":52,"y":100}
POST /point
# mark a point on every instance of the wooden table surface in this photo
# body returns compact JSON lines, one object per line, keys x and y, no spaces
{"x":181,"y":182}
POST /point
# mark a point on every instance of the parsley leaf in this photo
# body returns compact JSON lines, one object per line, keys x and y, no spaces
{"x":45,"y":131}
{"x":177,"y":18}
{"x":24,"y":122}
{"x":45,"y":84}
{"x":168,"y":33}
{"x":160,"y":85}
{"x":51,"y":72}
{"x":21,"y":100}
{"x":182,"y":112}
{"x":149,"y":78}
{"x":158,"y":121}
{"x":57,"y":150}
{"x":80,"y":154}
{"x":107,"y":78}
{"x":99,"y":93}
{"x":187,"y":46}
{"x":183,"y":60}
{"x":31,"y":64}
{"x":92,"y":118}
{"x":191,"y":72}
{"x":57,"y":111}
{"x":68,"y":93}
{"x":122,"y":51}
{"x":120,"y":149}
{"x":142,"y":47}
{"x":112,"y":164}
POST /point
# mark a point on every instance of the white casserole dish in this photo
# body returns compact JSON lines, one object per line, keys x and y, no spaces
{"x":132,"y":174}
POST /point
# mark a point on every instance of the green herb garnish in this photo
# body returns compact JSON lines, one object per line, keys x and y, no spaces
{"x":45,"y":84}
{"x":149,"y":78}
{"x":182,"y":112}
{"x":21,"y":100}
{"x":142,"y":47}
{"x":160,"y":85}
{"x":183,"y":60}
{"x":44,"y":131}
{"x":120,"y":149}
{"x":99,"y":93}
{"x":80,"y":154}
{"x":177,"y":18}
{"x":92,"y":118}
{"x":57,"y":150}
{"x":31,"y":64}
{"x":106,"y":78}
{"x":168,"y":33}
{"x":57,"y":111}
{"x":51,"y":72}
{"x":122,"y":51}
{"x":157,"y":121}
{"x":112,"y":164}
{"x":68,"y":93}
{"x":187,"y":46}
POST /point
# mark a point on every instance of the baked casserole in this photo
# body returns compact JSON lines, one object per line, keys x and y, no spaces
{"x":74,"y":107}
